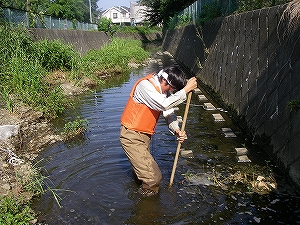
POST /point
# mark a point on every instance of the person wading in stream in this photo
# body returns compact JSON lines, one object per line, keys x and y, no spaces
{"x":151,"y":95}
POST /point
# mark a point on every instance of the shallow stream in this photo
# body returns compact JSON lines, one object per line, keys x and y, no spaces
{"x":95,"y":182}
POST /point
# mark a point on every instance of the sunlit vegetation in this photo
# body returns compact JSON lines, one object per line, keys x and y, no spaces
{"x":211,"y":11}
{"x":74,"y":128}
{"x":26,"y":64}
{"x":15,"y":208}
{"x":113,"y":58}
{"x":108,"y":27}
{"x":77,"y":10}
{"x":22,"y":74}
{"x":26,"y":69}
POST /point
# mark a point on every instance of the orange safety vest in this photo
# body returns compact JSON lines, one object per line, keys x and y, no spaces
{"x":138,"y":116}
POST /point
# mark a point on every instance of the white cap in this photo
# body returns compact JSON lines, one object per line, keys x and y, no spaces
{"x":165,"y":75}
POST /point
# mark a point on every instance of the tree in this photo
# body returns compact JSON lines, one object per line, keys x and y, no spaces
{"x":36,"y":6}
{"x":16,"y":4}
{"x":160,"y":11}
{"x":73,"y":9}
{"x":104,"y":24}
{"x":68,"y":9}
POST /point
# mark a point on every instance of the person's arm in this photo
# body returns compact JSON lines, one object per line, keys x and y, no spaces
{"x":146,"y":93}
{"x":171,"y":120}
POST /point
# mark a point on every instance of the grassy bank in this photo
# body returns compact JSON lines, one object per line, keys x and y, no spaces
{"x":26,"y":64}
{"x":27,"y":77}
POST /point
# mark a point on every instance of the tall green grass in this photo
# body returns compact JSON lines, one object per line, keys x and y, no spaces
{"x":14,"y":42}
{"x":113,"y":58}
{"x":27,"y":85}
{"x":139,"y":29}
{"x":22,"y":74}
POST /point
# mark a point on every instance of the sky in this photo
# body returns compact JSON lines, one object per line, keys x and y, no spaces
{"x":106,"y":4}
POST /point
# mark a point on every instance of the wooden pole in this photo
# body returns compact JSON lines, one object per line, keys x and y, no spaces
{"x":182,"y":129}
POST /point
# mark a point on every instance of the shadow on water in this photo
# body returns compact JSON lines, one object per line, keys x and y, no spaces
{"x":96,"y":184}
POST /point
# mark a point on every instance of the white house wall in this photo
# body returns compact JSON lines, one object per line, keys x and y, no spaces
{"x":121,"y":18}
{"x":136,"y":14}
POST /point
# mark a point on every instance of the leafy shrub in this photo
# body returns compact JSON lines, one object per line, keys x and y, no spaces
{"x":104,"y":25}
{"x":248,"y":5}
{"x":138,"y":29}
{"x":210,"y":12}
{"x":13,"y":212}
{"x":74,"y":128}
{"x":55,"y":55}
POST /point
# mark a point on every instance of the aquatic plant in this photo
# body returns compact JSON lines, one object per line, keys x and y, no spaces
{"x":31,"y":179}
{"x":251,"y":178}
{"x":74,"y":128}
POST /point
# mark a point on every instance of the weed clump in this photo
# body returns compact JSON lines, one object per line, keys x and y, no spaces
{"x":74,"y":128}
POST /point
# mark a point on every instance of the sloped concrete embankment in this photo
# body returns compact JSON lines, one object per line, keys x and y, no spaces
{"x":253,"y":61}
{"x":83,"y":41}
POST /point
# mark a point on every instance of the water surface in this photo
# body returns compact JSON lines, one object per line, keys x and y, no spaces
{"x":97,"y":187}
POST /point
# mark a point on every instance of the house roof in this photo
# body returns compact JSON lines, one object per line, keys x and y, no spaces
{"x":121,"y":9}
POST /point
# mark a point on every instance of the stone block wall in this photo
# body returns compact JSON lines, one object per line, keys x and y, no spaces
{"x":253,"y":61}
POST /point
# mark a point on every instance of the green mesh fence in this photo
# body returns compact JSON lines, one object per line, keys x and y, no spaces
{"x":227,"y":7}
{"x":32,"y":20}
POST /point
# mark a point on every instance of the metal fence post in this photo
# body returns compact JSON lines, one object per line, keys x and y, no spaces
{"x":27,"y":19}
{"x":9,"y":15}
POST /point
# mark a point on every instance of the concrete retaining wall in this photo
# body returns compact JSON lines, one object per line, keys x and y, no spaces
{"x":253,"y":61}
{"x":83,"y":41}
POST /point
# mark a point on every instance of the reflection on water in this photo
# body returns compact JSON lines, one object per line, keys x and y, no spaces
{"x":97,"y":187}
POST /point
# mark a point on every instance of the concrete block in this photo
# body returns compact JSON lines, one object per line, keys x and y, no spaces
{"x":176,"y":108}
{"x":243,"y":159}
{"x":197,"y":91}
{"x":241,"y":151}
{"x":186,"y":153}
{"x":218,"y":117}
{"x":228,"y":132}
{"x":209,"y":106}
{"x":202,"y":98}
